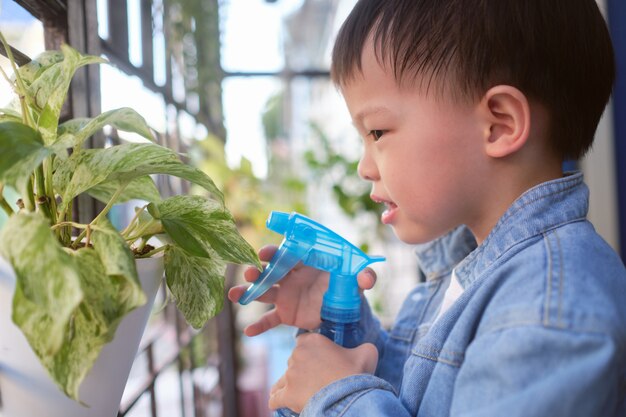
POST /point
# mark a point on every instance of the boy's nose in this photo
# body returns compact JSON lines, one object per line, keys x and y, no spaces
{"x":367,"y":168}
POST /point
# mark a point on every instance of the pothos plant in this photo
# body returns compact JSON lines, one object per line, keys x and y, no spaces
{"x":72,"y":291}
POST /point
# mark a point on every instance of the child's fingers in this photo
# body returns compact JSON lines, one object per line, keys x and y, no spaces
{"x":235,"y":293}
{"x":266,"y":252}
{"x":251,"y":273}
{"x":267,"y":321}
{"x":280,"y":384}
{"x":276,"y":400}
{"x":269,"y":297}
{"x":366,"y":279}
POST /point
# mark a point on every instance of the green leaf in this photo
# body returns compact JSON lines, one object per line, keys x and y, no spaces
{"x":49,"y":90}
{"x":72,"y":126}
{"x":148,"y":159}
{"x":31,"y":71}
{"x":47,"y":289}
{"x":142,"y":188}
{"x":108,"y":278}
{"x":90,"y":167}
{"x":202,"y":226}
{"x":21,"y":152}
{"x":111,"y":290}
{"x":118,"y":261}
{"x":197,"y":284}
{"x":125,"y":119}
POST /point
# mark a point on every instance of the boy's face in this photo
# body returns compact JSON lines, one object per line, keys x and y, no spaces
{"x":423,"y":154}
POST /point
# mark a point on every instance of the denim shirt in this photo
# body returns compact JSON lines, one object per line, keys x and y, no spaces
{"x":540,"y":329}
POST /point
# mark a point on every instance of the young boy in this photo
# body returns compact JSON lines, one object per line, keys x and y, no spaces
{"x":467,"y":109}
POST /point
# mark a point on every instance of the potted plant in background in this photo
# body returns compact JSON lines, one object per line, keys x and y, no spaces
{"x":69,"y":294}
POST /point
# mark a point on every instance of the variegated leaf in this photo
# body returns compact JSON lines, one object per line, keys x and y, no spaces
{"x":21,"y":152}
{"x":118,"y":261}
{"x":109,"y":294}
{"x":202,"y":227}
{"x":32,"y":70}
{"x":47,"y":289}
{"x":49,"y":90}
{"x":197,"y":284}
{"x":90,"y":167}
{"x":125,"y":119}
{"x":142,"y":188}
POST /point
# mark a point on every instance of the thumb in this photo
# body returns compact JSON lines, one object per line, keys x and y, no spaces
{"x":366,"y":279}
{"x":367,"y":357}
{"x":278,"y":400}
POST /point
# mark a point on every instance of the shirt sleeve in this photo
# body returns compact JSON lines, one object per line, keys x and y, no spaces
{"x":539,"y":371}
{"x":355,"y":396}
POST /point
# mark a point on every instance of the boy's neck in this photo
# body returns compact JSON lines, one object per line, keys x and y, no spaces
{"x":509,"y":179}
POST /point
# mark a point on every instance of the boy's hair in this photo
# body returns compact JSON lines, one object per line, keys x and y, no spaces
{"x":557,"y":52}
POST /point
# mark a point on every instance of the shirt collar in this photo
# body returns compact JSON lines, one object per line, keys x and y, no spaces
{"x":538,"y":210}
{"x":437,"y":258}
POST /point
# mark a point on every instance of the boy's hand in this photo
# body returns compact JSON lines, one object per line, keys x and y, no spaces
{"x":297,"y":298}
{"x":316,"y":362}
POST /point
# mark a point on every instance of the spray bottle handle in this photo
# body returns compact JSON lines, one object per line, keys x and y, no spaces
{"x":287,"y":256}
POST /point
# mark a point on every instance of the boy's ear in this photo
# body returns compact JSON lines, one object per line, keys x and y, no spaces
{"x":507,"y":116}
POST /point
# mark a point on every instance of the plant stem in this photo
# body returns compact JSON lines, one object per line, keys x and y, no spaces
{"x":19,"y":87}
{"x":139,"y":233}
{"x":73,"y":224}
{"x":131,"y":223}
{"x":102,"y":214}
{"x":88,"y":238}
{"x":43,"y":202}
{"x":6,"y":206}
{"x":66,"y":232}
{"x":29,"y":198}
{"x":154,"y":251}
{"x":49,"y":188}
{"x":6,"y":77}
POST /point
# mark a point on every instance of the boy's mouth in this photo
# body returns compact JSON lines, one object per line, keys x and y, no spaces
{"x":389,"y":214}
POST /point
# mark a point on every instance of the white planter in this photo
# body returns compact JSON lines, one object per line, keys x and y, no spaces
{"x":26,"y":388}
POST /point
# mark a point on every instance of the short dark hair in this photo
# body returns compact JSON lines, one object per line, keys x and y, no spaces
{"x":557,"y":52}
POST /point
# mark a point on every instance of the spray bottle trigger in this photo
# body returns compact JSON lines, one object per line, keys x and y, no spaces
{"x":286,"y":257}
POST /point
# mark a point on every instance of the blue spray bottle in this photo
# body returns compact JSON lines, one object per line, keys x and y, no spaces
{"x":315,"y":245}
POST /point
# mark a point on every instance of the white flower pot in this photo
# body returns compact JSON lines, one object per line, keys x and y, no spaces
{"x":26,"y":389}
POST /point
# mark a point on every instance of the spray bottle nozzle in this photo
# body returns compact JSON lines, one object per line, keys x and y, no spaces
{"x":278,"y":222}
{"x":315,"y":245}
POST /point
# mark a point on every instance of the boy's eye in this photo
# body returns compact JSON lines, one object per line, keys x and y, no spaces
{"x":377,"y":134}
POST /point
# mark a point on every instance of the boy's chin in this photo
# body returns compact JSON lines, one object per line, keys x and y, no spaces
{"x":412,"y":236}
{"x":416,"y":234}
